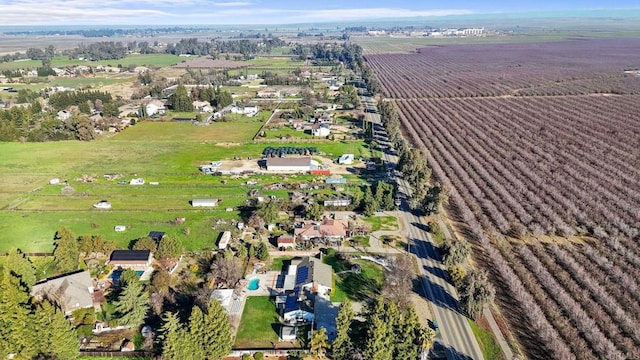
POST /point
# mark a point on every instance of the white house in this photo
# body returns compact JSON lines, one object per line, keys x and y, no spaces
{"x":249,"y":111}
{"x":204,"y":202}
{"x":346,"y":159}
{"x":321,"y":130}
{"x":54,"y":181}
{"x":291,"y":164}
{"x":154,"y":107}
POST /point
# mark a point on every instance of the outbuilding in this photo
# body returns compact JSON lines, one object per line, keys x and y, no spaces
{"x":301,"y":164}
{"x":204,"y":202}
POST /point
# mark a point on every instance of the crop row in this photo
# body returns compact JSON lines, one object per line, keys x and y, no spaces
{"x":521,"y":163}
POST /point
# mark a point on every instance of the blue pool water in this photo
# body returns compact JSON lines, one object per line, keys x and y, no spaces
{"x":139,"y":272}
{"x":253,"y":284}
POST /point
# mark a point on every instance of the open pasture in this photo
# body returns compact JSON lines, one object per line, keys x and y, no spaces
{"x":169,"y":153}
{"x":538,"y":140}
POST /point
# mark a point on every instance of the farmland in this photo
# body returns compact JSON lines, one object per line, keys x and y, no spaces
{"x":165,"y":152}
{"x":539,"y":144}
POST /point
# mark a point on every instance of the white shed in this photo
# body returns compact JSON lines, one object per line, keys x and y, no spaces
{"x":346,"y":159}
{"x":136,"y":181}
{"x":204,"y":202}
{"x":224,"y":240}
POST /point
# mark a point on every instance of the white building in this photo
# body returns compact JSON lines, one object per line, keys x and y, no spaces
{"x":322,"y":131}
{"x":136,"y":181}
{"x":103,"y":204}
{"x":204,"y":202}
{"x":249,"y":111}
{"x":346,"y":159}
{"x":224,"y":240}
{"x":302,"y":164}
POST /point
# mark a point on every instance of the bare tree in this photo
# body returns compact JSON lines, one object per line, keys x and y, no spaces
{"x":226,"y":270}
{"x":399,"y":280}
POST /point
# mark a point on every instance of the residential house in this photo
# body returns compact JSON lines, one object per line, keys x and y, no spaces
{"x":202,"y":106}
{"x":70,"y":291}
{"x":155,"y":107}
{"x":286,"y":241}
{"x":313,"y":276}
{"x":325,"y":231}
{"x":295,"y":309}
{"x":321,"y":130}
{"x":131,"y":259}
{"x":249,"y":111}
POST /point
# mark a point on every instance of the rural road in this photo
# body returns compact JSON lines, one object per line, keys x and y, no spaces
{"x":455,"y":336}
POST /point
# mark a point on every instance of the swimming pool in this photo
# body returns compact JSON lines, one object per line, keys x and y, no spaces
{"x":253,"y":284}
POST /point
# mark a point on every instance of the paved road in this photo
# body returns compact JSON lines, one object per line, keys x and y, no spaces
{"x":455,"y":337}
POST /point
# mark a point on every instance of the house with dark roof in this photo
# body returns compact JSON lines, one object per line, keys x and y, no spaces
{"x":131,"y":259}
{"x":296,"y":308}
{"x":70,"y":291}
{"x":313,"y":276}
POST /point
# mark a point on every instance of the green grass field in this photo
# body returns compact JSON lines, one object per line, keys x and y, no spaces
{"x":359,"y":287}
{"x":383,"y":223}
{"x":155,"y":60}
{"x":259,"y":324}
{"x":31,"y":211}
{"x":488,"y":344}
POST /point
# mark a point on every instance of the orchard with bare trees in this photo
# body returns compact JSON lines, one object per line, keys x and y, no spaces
{"x":538,"y":146}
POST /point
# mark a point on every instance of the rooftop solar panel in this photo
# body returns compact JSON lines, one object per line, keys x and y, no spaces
{"x":302,"y":275}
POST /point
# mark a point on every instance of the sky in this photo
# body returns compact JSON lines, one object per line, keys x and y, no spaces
{"x":219,"y":12}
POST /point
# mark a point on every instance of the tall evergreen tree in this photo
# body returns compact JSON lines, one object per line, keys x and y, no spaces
{"x":133,"y":304}
{"x":217,"y":340}
{"x":194,"y":339}
{"x":18,"y":263}
{"x":319,"y":342}
{"x":66,"y":253}
{"x":378,"y":344}
{"x":180,"y":100}
{"x":342,"y":343}
{"x":16,"y":320}
{"x":62,"y":341}
{"x":169,"y":334}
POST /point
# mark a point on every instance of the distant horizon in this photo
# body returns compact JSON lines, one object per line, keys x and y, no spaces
{"x":205,"y":13}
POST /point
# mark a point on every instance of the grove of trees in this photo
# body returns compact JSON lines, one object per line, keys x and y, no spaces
{"x":516,"y":164}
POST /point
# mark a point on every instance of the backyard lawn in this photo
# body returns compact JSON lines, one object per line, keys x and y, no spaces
{"x":367,"y":284}
{"x":383,"y":223}
{"x":259,"y":324}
